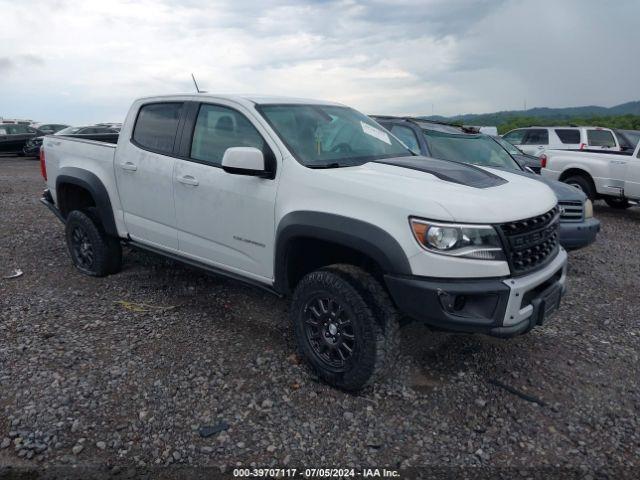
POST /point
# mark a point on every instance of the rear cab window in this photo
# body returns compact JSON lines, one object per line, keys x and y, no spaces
{"x":157,"y":126}
{"x":600,"y":138}
{"x":568,"y":135}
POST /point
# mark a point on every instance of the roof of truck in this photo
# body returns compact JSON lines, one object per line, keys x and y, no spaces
{"x":245,"y":99}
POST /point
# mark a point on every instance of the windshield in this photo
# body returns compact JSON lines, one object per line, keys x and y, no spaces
{"x":509,"y":147}
{"x":68,"y":131}
{"x":474,"y":149}
{"x":331,"y":136}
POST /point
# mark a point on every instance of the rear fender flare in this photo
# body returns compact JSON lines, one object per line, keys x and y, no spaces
{"x":91,"y":183}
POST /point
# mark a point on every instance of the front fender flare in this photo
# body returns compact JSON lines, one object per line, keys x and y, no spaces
{"x":364,"y":237}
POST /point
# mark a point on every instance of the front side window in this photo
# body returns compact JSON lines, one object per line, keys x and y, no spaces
{"x":218,"y":128}
{"x":465,"y":148}
{"x":321,"y":136}
{"x":406,"y":135}
{"x":515,"y":137}
{"x":600,"y":138}
{"x":157,"y":125}
{"x":568,"y":135}
{"x":536,"y":136}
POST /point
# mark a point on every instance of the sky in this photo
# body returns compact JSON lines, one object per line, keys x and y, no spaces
{"x":85,"y":61}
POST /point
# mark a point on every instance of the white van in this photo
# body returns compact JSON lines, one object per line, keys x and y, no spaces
{"x":534,"y":140}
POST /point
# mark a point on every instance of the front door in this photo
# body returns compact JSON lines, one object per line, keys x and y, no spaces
{"x":144,"y":168}
{"x":225,"y":220}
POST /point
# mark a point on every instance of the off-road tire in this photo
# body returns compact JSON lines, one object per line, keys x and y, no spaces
{"x":374,"y":318}
{"x":106,"y":251}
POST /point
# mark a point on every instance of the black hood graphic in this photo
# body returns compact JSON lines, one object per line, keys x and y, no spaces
{"x":448,"y":171}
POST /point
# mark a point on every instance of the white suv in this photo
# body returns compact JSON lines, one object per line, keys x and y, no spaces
{"x":534,"y":140}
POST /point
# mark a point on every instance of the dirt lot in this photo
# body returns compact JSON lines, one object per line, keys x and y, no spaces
{"x":125,"y":370}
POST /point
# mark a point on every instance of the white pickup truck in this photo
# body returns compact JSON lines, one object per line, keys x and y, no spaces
{"x":612,"y":176}
{"x":316,"y":200}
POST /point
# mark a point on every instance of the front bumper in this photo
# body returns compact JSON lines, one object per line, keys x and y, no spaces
{"x":498,"y":307}
{"x":574,"y":235}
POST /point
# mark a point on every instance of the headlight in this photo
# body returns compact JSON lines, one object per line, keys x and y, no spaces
{"x":588,"y":209}
{"x":469,"y":241}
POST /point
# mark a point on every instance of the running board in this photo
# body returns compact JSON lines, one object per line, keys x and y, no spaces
{"x":204,"y":267}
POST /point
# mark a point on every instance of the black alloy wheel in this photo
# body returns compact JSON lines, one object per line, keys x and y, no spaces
{"x":329,"y":330}
{"x":82,"y":249}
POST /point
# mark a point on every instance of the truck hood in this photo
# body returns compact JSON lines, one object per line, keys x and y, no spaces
{"x":437,"y":189}
{"x":564,"y":192}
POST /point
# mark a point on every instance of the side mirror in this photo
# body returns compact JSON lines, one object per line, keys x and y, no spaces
{"x":244,"y":161}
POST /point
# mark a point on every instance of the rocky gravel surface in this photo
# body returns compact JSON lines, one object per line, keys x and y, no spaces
{"x":162,"y":365}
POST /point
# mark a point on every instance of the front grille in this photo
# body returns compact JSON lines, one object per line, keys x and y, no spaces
{"x":531,"y":243}
{"x":571,"y":211}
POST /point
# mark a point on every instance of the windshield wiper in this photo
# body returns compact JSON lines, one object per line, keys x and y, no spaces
{"x":328,"y":165}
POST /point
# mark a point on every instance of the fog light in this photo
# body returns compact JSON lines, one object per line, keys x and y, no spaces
{"x":450,"y":302}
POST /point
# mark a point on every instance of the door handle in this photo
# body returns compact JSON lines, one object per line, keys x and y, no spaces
{"x":188,"y":180}
{"x":129,"y":166}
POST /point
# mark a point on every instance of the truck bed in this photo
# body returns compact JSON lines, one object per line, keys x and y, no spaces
{"x":71,"y":152}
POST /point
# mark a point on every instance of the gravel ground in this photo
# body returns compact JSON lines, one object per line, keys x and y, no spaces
{"x":162,"y":365}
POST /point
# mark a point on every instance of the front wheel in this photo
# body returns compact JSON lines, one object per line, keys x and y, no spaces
{"x":92,"y":251}
{"x":618,"y":203}
{"x":345,"y":326}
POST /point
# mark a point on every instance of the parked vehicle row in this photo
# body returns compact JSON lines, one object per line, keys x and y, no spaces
{"x":26,"y":140}
{"x":612,"y":176}
{"x":14,"y":136}
{"x":577,"y":228}
{"x":317,"y":201}
{"x":535,"y":140}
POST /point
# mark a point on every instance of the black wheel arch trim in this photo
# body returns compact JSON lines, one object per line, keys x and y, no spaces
{"x":90,"y":182}
{"x":352,"y":233}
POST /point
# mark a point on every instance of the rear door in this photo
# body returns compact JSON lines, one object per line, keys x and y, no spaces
{"x":569,"y":138}
{"x":225,"y":220}
{"x":144,"y":173}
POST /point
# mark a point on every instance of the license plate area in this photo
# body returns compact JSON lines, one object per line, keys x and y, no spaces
{"x":547,"y":303}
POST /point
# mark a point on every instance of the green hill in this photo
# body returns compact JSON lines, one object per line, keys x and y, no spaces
{"x":626,"y":116}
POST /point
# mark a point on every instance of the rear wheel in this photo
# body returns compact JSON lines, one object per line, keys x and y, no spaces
{"x":582,"y":183}
{"x":345,"y":326}
{"x":92,"y":251}
{"x":618,"y":203}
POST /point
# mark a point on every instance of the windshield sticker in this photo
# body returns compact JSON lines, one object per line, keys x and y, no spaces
{"x":374,"y":132}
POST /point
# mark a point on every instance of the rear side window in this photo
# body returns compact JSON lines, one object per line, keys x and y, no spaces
{"x":515,"y":137}
{"x":157,"y":126}
{"x":536,"y":136}
{"x":568,"y":135}
{"x":218,"y":128}
{"x":406,"y":135}
{"x":600,"y":138}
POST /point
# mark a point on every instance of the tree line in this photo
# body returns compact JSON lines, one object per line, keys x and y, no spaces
{"x":623,"y":122}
